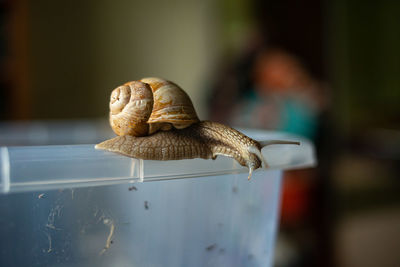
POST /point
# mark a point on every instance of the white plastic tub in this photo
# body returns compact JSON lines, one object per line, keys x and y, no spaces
{"x":77,"y":206}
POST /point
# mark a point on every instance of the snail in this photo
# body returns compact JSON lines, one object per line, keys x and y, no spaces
{"x":155,"y":120}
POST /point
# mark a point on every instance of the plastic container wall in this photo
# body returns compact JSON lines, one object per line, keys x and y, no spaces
{"x":76,"y":206}
{"x":28,"y":168}
{"x":210,"y":221}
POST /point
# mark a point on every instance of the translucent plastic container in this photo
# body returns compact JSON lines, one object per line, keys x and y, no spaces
{"x":77,"y":206}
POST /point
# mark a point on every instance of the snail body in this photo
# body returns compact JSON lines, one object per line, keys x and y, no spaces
{"x":166,"y":127}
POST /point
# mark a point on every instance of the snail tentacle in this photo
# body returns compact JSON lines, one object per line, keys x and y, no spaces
{"x":278,"y":142}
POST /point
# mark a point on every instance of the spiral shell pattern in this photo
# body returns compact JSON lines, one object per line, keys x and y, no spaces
{"x":130,"y":108}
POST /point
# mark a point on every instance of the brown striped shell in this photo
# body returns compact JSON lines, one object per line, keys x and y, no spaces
{"x":143,"y":107}
{"x":172,"y":106}
{"x":130,"y":108}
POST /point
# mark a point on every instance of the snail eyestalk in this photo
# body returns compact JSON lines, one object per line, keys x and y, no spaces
{"x":250,"y":173}
{"x":278,"y":142}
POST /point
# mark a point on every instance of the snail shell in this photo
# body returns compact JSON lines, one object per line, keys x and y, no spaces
{"x":130,"y":108}
{"x":139,"y":109}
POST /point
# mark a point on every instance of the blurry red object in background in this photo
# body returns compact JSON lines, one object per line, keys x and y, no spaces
{"x":296,"y":197}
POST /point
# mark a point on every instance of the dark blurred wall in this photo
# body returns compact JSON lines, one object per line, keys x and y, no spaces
{"x":365,"y":62}
{"x":76,"y":52}
{"x":298,"y":27}
{"x":364,"y":70}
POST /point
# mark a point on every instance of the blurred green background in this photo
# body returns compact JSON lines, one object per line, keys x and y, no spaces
{"x":61,"y":59}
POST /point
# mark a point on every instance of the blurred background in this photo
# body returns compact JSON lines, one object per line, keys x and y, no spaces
{"x":327,"y":70}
